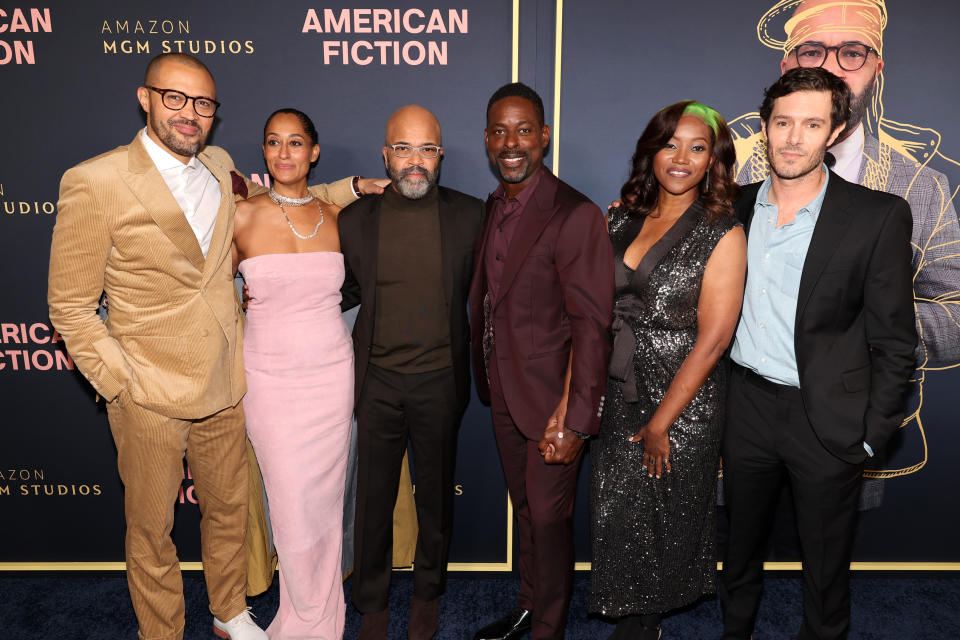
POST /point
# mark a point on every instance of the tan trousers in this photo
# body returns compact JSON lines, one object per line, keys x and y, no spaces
{"x":261,"y":556}
{"x":405,"y":527}
{"x":150,"y":451}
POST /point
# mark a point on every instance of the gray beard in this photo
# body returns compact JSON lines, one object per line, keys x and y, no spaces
{"x":413,"y":191}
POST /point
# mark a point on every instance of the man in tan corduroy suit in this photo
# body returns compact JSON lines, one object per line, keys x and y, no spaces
{"x":151,"y":223}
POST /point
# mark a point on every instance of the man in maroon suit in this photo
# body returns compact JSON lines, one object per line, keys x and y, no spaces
{"x":541,"y":300}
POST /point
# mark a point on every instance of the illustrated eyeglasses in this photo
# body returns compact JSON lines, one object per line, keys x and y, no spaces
{"x":851,"y":56}
{"x":406,"y":150}
{"x":177,"y":100}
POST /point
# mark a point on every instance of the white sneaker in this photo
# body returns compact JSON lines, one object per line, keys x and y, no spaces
{"x":240,"y":627}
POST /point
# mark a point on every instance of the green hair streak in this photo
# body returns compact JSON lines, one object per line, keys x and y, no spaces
{"x":705,"y":113}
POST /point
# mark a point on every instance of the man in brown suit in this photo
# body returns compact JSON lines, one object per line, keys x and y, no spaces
{"x":151,"y":224}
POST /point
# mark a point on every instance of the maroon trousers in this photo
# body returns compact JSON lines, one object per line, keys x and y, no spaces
{"x":543,"y":497}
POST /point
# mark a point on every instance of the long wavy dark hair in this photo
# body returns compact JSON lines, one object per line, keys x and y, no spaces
{"x":639,"y":194}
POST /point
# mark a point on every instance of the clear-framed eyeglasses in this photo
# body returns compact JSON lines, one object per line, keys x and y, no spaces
{"x":177,"y":100}
{"x":406,"y":150}
{"x":851,"y":56}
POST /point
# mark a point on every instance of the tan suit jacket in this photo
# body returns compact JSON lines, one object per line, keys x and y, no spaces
{"x":173,"y":339}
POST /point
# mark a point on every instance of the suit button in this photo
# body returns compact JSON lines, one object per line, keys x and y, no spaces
{"x":204,"y":333}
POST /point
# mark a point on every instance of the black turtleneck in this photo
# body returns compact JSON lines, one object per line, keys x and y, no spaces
{"x":411,"y":331}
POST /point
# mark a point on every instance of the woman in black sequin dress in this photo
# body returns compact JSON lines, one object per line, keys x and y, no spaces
{"x":680,"y":262}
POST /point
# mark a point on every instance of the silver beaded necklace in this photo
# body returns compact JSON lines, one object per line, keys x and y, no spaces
{"x":280,"y":200}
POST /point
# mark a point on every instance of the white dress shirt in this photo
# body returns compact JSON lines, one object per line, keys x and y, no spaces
{"x":849,"y":156}
{"x":193,"y":186}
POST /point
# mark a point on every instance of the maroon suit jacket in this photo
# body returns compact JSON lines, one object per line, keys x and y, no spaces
{"x":556,"y":294}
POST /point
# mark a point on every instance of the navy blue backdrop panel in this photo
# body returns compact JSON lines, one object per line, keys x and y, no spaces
{"x":69,"y":72}
{"x":69,"y":84}
{"x":624,"y":61}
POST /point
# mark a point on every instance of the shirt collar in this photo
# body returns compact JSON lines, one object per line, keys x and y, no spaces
{"x":763,"y":195}
{"x":501,"y":194}
{"x":848,"y":153}
{"x":163,"y":159}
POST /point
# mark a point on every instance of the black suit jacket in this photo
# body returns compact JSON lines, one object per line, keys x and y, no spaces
{"x":359,"y":223}
{"x":854,"y":332}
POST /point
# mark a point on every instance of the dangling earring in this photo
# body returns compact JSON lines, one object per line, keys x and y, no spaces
{"x":706,"y":186}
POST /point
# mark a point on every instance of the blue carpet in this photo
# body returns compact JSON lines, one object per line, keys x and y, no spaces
{"x":86,"y":607}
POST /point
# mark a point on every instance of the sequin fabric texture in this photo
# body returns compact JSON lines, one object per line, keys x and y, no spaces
{"x":654,"y":539}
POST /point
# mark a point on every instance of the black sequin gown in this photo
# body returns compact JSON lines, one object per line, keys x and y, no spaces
{"x":654,"y":538}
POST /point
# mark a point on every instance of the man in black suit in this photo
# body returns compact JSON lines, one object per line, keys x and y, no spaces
{"x":821,"y":358}
{"x":409,"y":257}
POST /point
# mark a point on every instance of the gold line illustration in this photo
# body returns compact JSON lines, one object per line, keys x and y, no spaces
{"x":887,"y":155}
{"x":557,"y":77}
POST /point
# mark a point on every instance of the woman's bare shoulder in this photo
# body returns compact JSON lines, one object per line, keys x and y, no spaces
{"x":330,"y":209}
{"x":248,"y":210}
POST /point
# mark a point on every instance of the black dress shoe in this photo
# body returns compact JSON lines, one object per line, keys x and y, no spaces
{"x":510,"y":627}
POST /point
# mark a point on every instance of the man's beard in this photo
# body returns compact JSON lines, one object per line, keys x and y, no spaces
{"x":413,"y":190}
{"x":517,"y":175}
{"x":171,"y":139}
{"x":859,"y":103}
{"x":785,"y":172}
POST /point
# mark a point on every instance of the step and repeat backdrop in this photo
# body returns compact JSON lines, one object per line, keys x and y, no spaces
{"x":622,"y":61}
{"x":69,"y":73}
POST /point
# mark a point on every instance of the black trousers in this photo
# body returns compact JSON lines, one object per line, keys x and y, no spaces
{"x":395,"y":409}
{"x":767,"y":440}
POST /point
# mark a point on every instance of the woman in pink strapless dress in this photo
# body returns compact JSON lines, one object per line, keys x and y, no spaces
{"x":299,"y":363}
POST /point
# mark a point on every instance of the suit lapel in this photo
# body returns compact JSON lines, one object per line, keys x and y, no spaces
{"x":371,"y":237}
{"x":478,"y":284}
{"x":827,"y":235}
{"x":745,"y":205}
{"x":146,"y":183}
{"x":220,"y":240}
{"x":677,"y":232}
{"x":540,"y":208}
{"x":447,"y":242}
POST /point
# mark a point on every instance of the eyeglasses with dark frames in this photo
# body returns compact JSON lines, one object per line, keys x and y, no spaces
{"x":427,"y":151}
{"x":177,"y":100}
{"x":851,"y":56}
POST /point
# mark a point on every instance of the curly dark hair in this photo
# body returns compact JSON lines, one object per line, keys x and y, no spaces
{"x":810,"y":79}
{"x":640,"y":192}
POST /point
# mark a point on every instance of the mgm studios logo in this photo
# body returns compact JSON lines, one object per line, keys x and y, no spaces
{"x":12,"y":207}
{"x":33,"y":483}
{"x":153,"y":35}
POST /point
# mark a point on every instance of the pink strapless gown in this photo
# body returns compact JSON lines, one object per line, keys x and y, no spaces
{"x":298,"y":357}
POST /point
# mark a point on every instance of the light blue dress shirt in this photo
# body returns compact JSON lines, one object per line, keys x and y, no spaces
{"x":764,"y":341}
